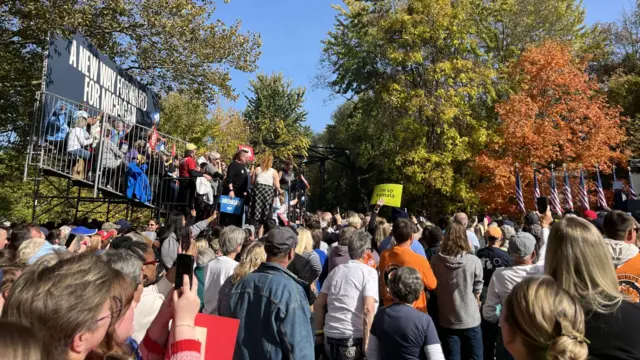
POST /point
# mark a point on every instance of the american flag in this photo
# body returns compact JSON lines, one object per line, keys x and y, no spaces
{"x":519,"y":196}
{"x":602,"y":202}
{"x":584,"y":194}
{"x":536,"y":188}
{"x":555,"y":200}
{"x":632,"y":191}
{"x":567,"y":191}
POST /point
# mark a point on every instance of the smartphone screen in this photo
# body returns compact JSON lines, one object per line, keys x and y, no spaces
{"x":184,"y":266}
{"x":543,"y":204}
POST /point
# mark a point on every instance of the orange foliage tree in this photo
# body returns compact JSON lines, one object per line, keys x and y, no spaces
{"x":556,"y":115}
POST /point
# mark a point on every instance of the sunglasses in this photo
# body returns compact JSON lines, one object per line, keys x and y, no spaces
{"x":152,"y":262}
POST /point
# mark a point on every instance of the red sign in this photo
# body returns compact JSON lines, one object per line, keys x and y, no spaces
{"x":217,"y":336}
{"x":248,"y":149}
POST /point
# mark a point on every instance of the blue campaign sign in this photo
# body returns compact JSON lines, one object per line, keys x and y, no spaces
{"x":79,"y":72}
{"x":230,"y":205}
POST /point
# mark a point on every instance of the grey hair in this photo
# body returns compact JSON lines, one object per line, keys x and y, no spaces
{"x":345,"y":235}
{"x":405,"y":285}
{"x":358,"y":244}
{"x":204,"y":256}
{"x":126,"y":262}
{"x":212,"y":155}
{"x":230,"y":238}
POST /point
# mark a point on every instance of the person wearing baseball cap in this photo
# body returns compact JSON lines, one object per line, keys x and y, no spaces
{"x":107,"y":236}
{"x":492,"y":256}
{"x":108,"y":226}
{"x":522,"y":250}
{"x":257,"y":301}
{"x":590,"y":215}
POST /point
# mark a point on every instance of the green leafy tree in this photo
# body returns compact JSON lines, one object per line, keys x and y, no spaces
{"x":275,"y":116}
{"x":420,"y":86}
{"x":620,"y":72}
{"x":187,"y":119}
{"x":508,"y":26}
{"x":230,"y":131}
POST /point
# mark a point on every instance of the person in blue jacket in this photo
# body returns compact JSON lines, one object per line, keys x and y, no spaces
{"x":56,"y":127}
{"x":137,"y":181}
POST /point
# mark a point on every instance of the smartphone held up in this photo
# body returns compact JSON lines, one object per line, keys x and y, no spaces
{"x":184,"y":266}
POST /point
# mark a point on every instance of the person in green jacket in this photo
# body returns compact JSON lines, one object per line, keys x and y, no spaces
{"x":205,"y":254}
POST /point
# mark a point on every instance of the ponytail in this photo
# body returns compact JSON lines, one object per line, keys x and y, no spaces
{"x":568,"y":347}
{"x":551,"y":329}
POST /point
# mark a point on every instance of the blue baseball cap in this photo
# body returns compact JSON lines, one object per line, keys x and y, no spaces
{"x":124,"y":225}
{"x":81,"y":230}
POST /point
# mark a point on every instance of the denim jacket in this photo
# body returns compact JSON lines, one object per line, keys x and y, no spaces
{"x":274,"y":315}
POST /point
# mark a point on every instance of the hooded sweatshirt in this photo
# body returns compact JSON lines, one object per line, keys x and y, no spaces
{"x":621,"y":252}
{"x":459,"y":281}
{"x":627,"y":262}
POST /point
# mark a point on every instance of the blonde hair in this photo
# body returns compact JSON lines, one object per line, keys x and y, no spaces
{"x":29,"y":248}
{"x":354,"y":221}
{"x":266,"y":162}
{"x":202,"y":244}
{"x":455,"y":240}
{"x":551,"y":329}
{"x":252,"y":257}
{"x":95,"y":242}
{"x":578,"y":259}
{"x":382,"y":231}
{"x":305,"y":241}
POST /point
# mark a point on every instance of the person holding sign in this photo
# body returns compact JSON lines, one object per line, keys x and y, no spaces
{"x":235,"y":185}
{"x":391,"y":193}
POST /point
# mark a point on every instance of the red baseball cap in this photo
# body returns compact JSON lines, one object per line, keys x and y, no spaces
{"x":107,"y":234}
{"x":590,"y":215}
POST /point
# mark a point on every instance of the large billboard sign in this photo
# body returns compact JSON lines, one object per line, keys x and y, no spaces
{"x":76,"y":70}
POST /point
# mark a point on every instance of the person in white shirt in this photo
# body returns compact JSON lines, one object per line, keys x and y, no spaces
{"x":522,"y":249}
{"x":219,"y":269}
{"x":78,"y":138}
{"x":546,"y":220}
{"x":350,"y":293}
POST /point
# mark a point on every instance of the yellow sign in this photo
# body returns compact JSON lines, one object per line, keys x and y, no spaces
{"x":391,"y":193}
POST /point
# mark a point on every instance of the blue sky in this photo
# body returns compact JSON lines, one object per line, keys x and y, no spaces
{"x":292,"y":31}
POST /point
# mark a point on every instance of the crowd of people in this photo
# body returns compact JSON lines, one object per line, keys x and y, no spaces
{"x":333,"y":286}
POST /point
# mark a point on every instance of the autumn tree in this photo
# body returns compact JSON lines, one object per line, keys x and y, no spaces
{"x":276,"y":117}
{"x":556,"y":115}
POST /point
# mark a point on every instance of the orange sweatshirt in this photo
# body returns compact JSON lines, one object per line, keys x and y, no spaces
{"x":398,"y":257}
